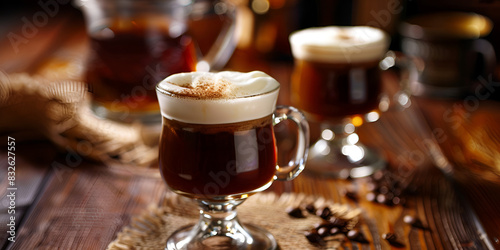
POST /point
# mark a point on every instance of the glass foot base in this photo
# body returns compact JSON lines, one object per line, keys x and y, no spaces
{"x":251,"y":238}
{"x":329,"y":158}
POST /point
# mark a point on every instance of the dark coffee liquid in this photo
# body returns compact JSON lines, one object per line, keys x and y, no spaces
{"x":208,"y":161}
{"x":124,"y":68}
{"x":327,"y":90}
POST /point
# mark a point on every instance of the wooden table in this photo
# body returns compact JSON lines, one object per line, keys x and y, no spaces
{"x":85,"y":205}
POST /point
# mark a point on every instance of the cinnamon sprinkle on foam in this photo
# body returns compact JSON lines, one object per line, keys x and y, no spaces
{"x":207,"y":88}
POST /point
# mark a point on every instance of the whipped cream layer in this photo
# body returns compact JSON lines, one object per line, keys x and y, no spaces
{"x":217,"y":98}
{"x":334,"y":44}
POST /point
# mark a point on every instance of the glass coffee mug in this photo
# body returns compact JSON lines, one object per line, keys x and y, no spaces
{"x":336,"y":82}
{"x":217,"y":146}
{"x":136,"y":44}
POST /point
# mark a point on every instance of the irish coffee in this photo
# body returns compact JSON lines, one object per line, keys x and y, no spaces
{"x":125,"y":65}
{"x":217,"y":146}
{"x":217,"y":138}
{"x":336,"y":81}
{"x":336,"y":70}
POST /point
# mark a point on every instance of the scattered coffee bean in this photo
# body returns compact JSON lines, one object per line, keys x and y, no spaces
{"x":393,"y":240}
{"x":385,"y":187}
{"x":357,"y":236}
{"x":311,"y":209}
{"x":324,"y":224}
{"x":296,"y":213}
{"x":334,"y":231}
{"x":351,"y":195}
{"x":389,"y":236}
{"x":337,"y":222}
{"x":352,"y":234}
{"x":414,"y":222}
{"x":408,"y":219}
{"x":329,"y":226}
{"x":323,"y":231}
{"x":325,"y":213}
{"x":314,"y":238}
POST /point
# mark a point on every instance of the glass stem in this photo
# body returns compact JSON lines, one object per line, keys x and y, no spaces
{"x":337,"y":133}
{"x":220,"y":219}
{"x":219,"y":228}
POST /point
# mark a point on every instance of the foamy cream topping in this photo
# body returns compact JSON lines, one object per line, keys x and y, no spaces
{"x":339,"y":44}
{"x":217,"y":98}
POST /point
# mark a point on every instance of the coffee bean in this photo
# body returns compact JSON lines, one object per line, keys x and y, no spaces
{"x":325,"y":213}
{"x":393,"y":241}
{"x":323,"y":224}
{"x":314,"y":238}
{"x":337,"y":222}
{"x":323,"y":231}
{"x":351,"y":195}
{"x":357,"y":236}
{"x":392,"y":187}
{"x":414,"y":222}
{"x":352,"y":234}
{"x":408,"y":219}
{"x":311,"y":209}
{"x":296,"y":213}
{"x":334,"y":231}
{"x":330,"y":225}
{"x":389,"y":236}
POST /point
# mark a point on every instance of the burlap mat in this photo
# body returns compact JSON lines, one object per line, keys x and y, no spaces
{"x":151,"y":229}
{"x":35,"y":107}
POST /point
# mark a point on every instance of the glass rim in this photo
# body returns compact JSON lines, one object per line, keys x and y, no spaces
{"x":174,"y":95}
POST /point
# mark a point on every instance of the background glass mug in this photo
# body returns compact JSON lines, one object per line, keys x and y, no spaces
{"x":445,"y":48}
{"x":336,"y":82}
{"x":223,"y":150}
{"x":136,"y":44}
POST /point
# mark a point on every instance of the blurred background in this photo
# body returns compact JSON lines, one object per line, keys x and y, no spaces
{"x":266,"y":24}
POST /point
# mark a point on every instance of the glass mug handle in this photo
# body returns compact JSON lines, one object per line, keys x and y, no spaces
{"x":297,"y":163}
{"x":409,"y":72}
